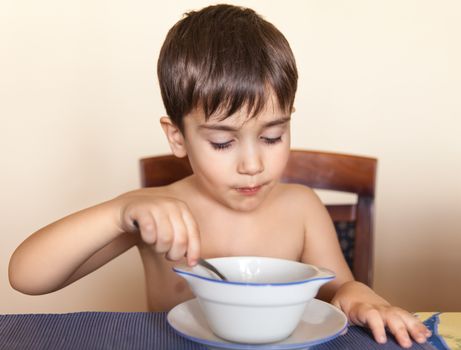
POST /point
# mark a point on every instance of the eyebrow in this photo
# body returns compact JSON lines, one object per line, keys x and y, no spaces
{"x":221,"y":127}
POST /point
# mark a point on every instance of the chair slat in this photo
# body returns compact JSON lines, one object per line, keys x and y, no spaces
{"x":342,"y":212}
{"x":333,"y":171}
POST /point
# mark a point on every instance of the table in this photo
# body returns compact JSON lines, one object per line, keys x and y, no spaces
{"x":144,"y":330}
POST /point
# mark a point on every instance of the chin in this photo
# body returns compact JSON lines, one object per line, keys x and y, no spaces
{"x":246,"y":206}
{"x":249,"y":203}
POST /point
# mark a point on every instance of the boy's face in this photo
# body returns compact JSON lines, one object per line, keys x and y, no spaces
{"x":237,"y":161}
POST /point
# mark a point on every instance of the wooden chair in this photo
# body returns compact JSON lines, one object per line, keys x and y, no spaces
{"x":318,"y":170}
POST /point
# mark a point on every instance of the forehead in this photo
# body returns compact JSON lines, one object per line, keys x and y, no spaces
{"x":270,"y":112}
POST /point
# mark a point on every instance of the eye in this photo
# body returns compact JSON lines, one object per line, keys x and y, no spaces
{"x":220,"y":146}
{"x":271,"y":140}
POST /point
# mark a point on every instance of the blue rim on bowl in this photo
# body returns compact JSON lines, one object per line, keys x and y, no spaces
{"x":321,"y":274}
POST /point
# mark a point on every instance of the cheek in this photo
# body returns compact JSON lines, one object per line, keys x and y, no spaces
{"x":281,"y":162}
{"x":278,"y":161}
{"x":210,"y":165}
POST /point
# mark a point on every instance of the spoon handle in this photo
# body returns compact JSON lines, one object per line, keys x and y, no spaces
{"x":210,"y":267}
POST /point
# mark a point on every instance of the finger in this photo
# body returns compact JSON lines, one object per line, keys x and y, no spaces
{"x":146,"y":226}
{"x":130,"y":221}
{"x":416,"y":328}
{"x":373,"y":320}
{"x":165,"y":233}
{"x":180,"y":238}
{"x":399,"y":329}
{"x":193,"y":243}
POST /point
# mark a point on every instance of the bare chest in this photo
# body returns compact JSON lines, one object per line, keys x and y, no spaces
{"x":272,"y":238}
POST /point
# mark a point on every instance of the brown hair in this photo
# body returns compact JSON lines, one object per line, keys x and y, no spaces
{"x":223,"y":58}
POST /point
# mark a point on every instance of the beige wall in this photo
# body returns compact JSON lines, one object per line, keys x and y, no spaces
{"x":80,"y":104}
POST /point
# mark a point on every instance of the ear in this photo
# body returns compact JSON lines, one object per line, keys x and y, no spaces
{"x":174,"y":136}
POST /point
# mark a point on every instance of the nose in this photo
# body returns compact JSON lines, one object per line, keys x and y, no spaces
{"x":250,"y":161}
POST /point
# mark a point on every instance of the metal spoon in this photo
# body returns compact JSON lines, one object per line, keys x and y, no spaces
{"x":210,"y":267}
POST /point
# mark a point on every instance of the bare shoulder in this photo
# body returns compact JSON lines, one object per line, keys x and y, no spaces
{"x":300,"y":193}
{"x":303,"y":201}
{"x":182,"y":190}
{"x":178,"y":190}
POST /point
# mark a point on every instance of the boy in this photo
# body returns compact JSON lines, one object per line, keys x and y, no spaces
{"x":228,"y":80}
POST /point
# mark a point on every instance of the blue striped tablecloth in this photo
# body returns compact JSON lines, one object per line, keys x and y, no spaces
{"x":137,"y":330}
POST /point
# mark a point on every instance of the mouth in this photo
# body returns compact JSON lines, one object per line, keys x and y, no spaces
{"x":249,"y":191}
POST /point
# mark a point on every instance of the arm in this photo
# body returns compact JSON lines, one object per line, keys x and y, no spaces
{"x":47,"y":260}
{"x":321,"y":246}
{"x":78,"y":244}
{"x":360,"y":303}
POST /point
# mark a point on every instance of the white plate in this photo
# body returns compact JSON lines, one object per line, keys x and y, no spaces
{"x":321,"y":322}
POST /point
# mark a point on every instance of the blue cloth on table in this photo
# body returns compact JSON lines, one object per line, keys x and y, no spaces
{"x":130,"y":330}
{"x":435,"y":340}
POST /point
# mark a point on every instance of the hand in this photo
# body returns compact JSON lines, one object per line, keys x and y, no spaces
{"x":163,"y":222}
{"x":364,"y":307}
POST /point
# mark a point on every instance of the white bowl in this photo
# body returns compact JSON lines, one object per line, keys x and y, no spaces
{"x":262,"y":301}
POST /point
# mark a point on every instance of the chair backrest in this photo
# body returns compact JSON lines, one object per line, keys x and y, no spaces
{"x":318,"y":170}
